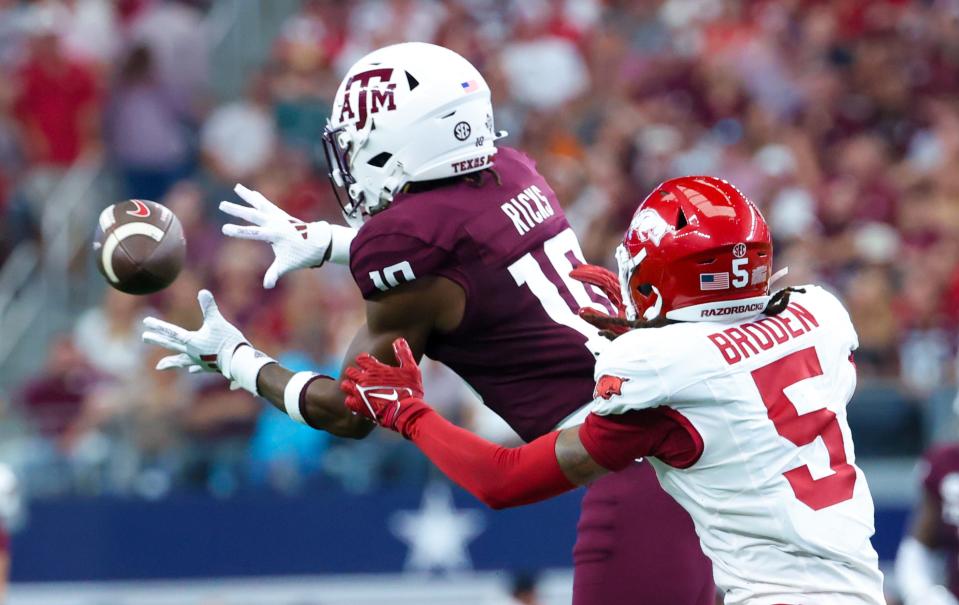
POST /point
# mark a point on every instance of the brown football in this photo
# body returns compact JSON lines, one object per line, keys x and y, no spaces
{"x":139,"y":246}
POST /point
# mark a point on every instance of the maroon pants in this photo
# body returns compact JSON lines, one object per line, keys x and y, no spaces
{"x":636,"y":546}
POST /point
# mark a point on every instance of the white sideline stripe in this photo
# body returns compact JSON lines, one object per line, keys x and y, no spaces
{"x":461,"y":588}
{"x":121,"y":233}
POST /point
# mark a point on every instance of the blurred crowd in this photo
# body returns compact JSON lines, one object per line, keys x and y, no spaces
{"x":839,"y":119}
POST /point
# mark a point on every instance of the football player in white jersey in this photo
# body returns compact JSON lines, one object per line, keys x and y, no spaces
{"x":737,"y":396}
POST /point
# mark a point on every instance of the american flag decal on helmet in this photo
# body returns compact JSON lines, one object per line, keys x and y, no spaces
{"x":469,"y":86}
{"x":714,"y":281}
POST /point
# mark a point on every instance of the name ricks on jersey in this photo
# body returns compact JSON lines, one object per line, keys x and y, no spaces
{"x":742,"y":341}
{"x":528,"y":209}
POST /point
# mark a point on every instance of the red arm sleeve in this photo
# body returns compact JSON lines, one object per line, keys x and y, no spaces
{"x":614,"y":441}
{"x":500,"y":477}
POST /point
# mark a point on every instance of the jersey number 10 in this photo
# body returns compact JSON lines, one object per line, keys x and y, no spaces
{"x":562,"y":251}
{"x":802,"y":429}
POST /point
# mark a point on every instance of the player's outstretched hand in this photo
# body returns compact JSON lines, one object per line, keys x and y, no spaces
{"x":389,"y":395}
{"x":209,"y":349}
{"x":608,"y":282}
{"x":296,"y":244}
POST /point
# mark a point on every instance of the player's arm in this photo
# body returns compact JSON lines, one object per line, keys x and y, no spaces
{"x":918,"y":566}
{"x":502,"y":477}
{"x":410,"y":311}
{"x":4,"y":564}
{"x":557,"y":462}
{"x":498,"y":476}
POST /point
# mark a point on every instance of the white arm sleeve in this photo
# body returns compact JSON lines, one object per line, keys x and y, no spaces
{"x":918,"y":572}
{"x":340,"y":239}
{"x":293,"y":394}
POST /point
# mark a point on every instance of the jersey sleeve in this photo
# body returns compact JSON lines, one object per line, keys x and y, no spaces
{"x":615,"y":441}
{"x":381,"y":261}
{"x":627,"y":378}
{"x":931,"y":469}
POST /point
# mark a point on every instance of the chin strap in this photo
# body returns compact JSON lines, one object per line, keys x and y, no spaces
{"x":652,"y":312}
{"x":627,"y":265}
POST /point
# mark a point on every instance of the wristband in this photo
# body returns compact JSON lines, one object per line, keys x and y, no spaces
{"x":245,"y":366}
{"x":293,"y":394}
{"x":340,"y":239}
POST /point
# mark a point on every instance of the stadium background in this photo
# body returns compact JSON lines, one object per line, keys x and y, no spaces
{"x":839,"y":119}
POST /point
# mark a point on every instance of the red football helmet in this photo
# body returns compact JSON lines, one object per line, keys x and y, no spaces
{"x":696,"y":250}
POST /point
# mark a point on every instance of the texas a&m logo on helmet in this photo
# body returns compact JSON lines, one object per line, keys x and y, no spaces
{"x":367,"y":93}
{"x":408,"y":112}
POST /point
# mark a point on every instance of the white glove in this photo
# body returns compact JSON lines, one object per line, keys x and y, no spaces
{"x":216,"y":347}
{"x":918,"y":574}
{"x":296,"y":245}
{"x":936,"y":595}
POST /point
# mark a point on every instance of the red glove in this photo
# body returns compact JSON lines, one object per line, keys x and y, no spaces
{"x":388,"y":395}
{"x":608,"y":282}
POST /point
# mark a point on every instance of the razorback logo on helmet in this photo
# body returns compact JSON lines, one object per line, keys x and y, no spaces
{"x":649,"y":226}
{"x":140,"y":210}
{"x":370,"y":98}
{"x":608,"y":385}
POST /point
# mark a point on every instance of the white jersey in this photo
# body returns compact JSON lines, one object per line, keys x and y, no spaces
{"x":779,"y":505}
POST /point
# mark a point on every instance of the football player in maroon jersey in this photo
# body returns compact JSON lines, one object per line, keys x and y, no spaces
{"x":934,"y":530}
{"x":462,"y":249}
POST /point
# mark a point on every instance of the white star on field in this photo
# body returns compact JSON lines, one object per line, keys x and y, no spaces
{"x":437,"y":534}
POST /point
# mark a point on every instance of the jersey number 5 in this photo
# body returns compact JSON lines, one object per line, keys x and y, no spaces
{"x":802,"y":429}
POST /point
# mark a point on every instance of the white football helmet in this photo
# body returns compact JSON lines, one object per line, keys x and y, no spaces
{"x":405,"y":113}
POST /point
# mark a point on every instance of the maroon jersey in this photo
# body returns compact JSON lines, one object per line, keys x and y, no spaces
{"x":941,"y":482}
{"x":506,"y":242}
